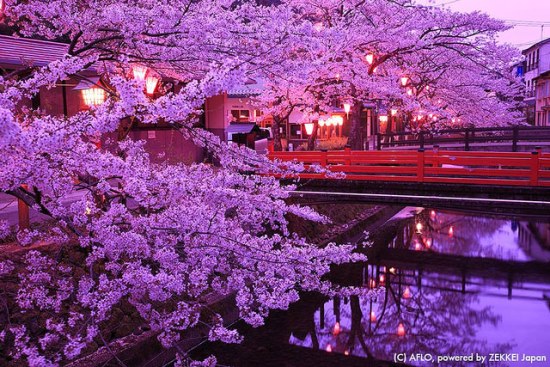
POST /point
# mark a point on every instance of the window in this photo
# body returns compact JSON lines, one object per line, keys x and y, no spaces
{"x":240,"y":115}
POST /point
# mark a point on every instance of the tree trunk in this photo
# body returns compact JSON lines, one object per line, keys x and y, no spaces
{"x":311,"y":139}
{"x":276,"y":131}
{"x":356,"y":126}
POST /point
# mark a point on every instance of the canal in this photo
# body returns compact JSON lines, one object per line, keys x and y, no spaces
{"x":451,"y":284}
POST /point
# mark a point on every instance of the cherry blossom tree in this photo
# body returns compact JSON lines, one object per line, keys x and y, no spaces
{"x":436,"y":67}
{"x":155,"y":238}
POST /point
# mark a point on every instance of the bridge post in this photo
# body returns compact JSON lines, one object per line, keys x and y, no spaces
{"x":421,"y":139}
{"x":535,"y":168}
{"x":467,"y":140}
{"x":515,"y":135}
{"x":347,"y":157}
{"x":436,"y":155}
{"x":420,"y":165}
{"x":378,"y":141}
{"x":323,"y":158}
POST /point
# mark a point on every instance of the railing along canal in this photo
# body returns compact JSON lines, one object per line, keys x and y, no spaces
{"x":451,"y":167}
{"x":508,"y":137}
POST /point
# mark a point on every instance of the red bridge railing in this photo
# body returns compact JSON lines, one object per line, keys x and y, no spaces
{"x":454,"y":167}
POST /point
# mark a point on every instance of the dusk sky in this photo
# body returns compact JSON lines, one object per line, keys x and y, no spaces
{"x":526,"y":15}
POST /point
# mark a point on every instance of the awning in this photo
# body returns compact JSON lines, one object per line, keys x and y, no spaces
{"x":88,"y":83}
{"x":240,"y":128}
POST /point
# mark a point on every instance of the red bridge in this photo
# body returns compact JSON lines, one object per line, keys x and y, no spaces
{"x":527,"y":169}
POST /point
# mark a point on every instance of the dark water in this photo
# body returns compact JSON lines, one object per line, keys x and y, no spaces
{"x":454,"y":284}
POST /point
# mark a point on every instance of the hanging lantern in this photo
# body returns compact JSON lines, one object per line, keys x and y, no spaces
{"x":337,"y":120}
{"x":407,"y":293}
{"x":393,"y":112}
{"x":409,"y":91}
{"x":369,"y":58}
{"x":321,"y":122}
{"x":347,"y":108}
{"x":151,"y":84}
{"x":419,"y":227}
{"x":451,"y":231}
{"x":429,"y":243}
{"x":383,"y":118}
{"x":329,"y":121}
{"x":382,"y":279}
{"x":328,"y":348}
{"x":309,"y":128}
{"x":139,"y":72}
{"x":404,"y":80}
{"x":92,"y":93}
{"x":401,"y":330}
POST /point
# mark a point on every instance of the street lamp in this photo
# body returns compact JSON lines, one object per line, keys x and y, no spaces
{"x":347,"y":108}
{"x":309,"y":128}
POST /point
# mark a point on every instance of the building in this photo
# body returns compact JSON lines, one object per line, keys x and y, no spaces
{"x":71,"y":96}
{"x":537,"y":82}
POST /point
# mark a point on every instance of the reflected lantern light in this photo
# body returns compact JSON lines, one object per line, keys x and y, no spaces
{"x":336,"y":330}
{"x":401,"y":330}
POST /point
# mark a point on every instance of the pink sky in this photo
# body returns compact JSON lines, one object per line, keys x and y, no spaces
{"x":532,"y":11}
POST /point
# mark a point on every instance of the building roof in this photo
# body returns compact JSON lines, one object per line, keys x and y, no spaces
{"x":536,"y":45}
{"x":26,"y":51}
{"x":249,"y":88}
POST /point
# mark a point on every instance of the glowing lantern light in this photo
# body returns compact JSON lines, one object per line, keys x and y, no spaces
{"x":347,"y":108}
{"x":404,"y":80}
{"x":337,"y":120}
{"x":393,"y":270}
{"x":93,"y":96}
{"x":346,"y":352}
{"x":419,"y":227}
{"x":88,"y":210}
{"x":417,"y":246}
{"x":328,"y":348}
{"x":151,"y":84}
{"x":92,"y":93}
{"x":383,"y":118}
{"x":382,"y":278}
{"x":329,"y":121}
{"x":401,"y":330}
{"x":372,"y":283}
{"x":309,"y":128}
{"x":409,"y":91}
{"x":407,"y":293}
{"x":432,"y":214}
{"x":139,"y":72}
{"x":369,"y":58}
{"x":451,"y":231}
{"x":372,"y":316}
{"x":321,"y":122}
{"x":393,"y":112}
{"x":336,"y":330}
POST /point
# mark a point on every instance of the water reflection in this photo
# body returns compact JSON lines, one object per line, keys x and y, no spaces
{"x":470,"y":235}
{"x":448,"y":309}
